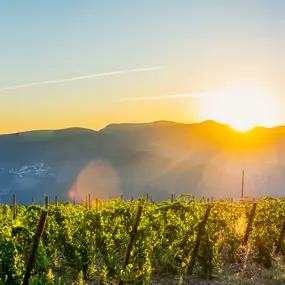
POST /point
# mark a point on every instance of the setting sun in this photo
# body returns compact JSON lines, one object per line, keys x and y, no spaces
{"x":242,"y":107}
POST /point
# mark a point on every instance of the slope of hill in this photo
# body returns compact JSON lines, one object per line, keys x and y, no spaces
{"x":201,"y":141}
{"x":159,"y":158}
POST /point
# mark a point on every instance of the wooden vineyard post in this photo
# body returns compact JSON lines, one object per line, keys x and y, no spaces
{"x":131,"y":241}
{"x":172,"y":198}
{"x":132,"y":199}
{"x":147,"y":197}
{"x":201,"y":228}
{"x":56,"y":201}
{"x":14,"y":206}
{"x":97,"y":204}
{"x":122,"y":196}
{"x":46,"y":202}
{"x":33,"y":201}
{"x":281,"y":236}
{"x":73,"y":201}
{"x":37,"y":237}
{"x":242,"y":184}
{"x":60,"y":200}
{"x":89,"y":201}
{"x":249,"y":225}
{"x":86,"y":202}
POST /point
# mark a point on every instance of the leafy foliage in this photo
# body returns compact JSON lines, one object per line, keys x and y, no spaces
{"x":81,"y":244}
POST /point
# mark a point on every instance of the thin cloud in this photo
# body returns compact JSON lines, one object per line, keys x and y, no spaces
{"x":80,"y":78}
{"x":171,"y":96}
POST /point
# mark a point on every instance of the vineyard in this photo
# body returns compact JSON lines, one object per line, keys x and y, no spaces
{"x":124,"y":242}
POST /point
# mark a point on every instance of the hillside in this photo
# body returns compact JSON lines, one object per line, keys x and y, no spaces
{"x":159,"y":158}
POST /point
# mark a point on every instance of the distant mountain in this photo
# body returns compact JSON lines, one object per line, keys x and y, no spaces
{"x":158,"y":158}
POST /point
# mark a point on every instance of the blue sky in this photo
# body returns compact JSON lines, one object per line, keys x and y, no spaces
{"x":201,"y":45}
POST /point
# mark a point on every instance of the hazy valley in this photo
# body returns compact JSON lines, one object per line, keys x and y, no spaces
{"x":156,"y":158}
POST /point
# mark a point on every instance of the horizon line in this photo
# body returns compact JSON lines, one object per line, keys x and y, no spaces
{"x":135,"y":123}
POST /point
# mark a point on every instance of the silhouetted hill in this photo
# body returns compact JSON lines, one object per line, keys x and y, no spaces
{"x":186,"y":141}
{"x":159,"y":158}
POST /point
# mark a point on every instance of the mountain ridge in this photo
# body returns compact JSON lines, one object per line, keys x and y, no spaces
{"x":160,"y":157}
{"x":158,"y":122}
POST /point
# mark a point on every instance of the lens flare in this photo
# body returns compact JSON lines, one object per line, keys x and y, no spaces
{"x":97,"y":178}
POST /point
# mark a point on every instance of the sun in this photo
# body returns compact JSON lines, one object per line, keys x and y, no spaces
{"x":241,"y":107}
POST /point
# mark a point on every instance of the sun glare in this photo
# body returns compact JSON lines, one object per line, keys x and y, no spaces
{"x":242,"y":107}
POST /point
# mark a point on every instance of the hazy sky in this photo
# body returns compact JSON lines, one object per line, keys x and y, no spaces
{"x":199,"y":46}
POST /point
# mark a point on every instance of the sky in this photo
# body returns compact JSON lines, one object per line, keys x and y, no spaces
{"x":91,"y":63}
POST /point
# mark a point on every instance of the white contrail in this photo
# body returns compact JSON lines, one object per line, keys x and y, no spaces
{"x":171,"y":96}
{"x":80,"y":78}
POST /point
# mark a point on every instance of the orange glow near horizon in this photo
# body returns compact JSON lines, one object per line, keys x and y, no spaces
{"x":242,"y":108}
